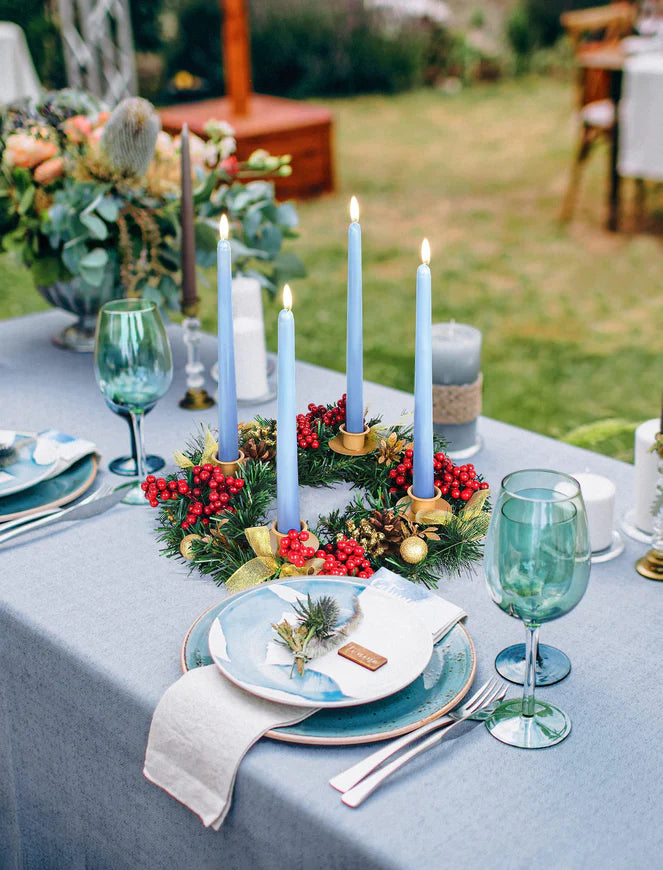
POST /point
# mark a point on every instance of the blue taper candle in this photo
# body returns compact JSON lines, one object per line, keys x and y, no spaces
{"x":354,"y":358}
{"x":287,"y":477}
{"x":422,"y":482}
{"x":228,"y":449}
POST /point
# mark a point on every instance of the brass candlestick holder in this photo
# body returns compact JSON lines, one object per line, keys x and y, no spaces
{"x":353,"y":443}
{"x":231,"y":468}
{"x":197,"y":398}
{"x":651,"y":564}
{"x":276,"y":537}
{"x":416,"y":504}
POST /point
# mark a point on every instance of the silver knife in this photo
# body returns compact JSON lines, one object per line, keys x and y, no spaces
{"x":90,"y":507}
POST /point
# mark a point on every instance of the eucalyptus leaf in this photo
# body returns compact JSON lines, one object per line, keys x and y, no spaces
{"x":96,"y":258}
{"x":94,"y":277}
{"x":206,"y":237}
{"x":108,"y":209}
{"x":27,"y":199}
{"x":95,"y":225}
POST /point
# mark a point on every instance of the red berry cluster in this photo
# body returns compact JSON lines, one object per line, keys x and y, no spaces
{"x":293,"y":548}
{"x":211,"y":493}
{"x":454,"y":481}
{"x":308,"y":425}
{"x":347,"y":558}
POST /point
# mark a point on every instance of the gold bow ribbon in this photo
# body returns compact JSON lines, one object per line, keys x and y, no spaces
{"x":265,"y":564}
{"x":473,"y":511}
{"x":210,"y":454}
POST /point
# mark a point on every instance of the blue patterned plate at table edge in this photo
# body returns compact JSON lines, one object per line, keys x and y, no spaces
{"x":51,"y":493}
{"x":23,"y":471}
{"x":444,"y":683}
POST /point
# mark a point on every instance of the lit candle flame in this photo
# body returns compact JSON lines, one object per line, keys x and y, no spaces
{"x":287,"y":297}
{"x":425,"y":252}
{"x":223,"y":227}
{"x":354,"y":209}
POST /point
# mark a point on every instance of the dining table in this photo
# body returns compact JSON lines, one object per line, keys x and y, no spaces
{"x":92,"y":619}
{"x":634,"y":69}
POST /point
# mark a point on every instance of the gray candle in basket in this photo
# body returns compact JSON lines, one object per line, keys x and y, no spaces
{"x":456,"y":362}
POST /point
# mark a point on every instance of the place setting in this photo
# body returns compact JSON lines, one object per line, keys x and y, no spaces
{"x":333,"y":632}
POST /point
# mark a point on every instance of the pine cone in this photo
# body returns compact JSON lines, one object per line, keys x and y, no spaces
{"x":378,"y":534}
{"x":259,"y":451}
{"x":391,"y":525}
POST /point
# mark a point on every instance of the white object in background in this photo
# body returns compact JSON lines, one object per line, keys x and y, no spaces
{"x":598,"y":493}
{"x":646,"y":472}
{"x":641,"y":118}
{"x":250,"y":358}
{"x":247,"y":298}
{"x":18,"y":79}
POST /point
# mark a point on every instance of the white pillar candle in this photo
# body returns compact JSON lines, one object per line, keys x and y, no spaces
{"x":250,"y":358}
{"x":646,"y":472}
{"x":247,"y":298}
{"x":599,"y":496}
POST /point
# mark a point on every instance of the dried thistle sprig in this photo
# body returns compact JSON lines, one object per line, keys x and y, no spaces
{"x":317,"y":632}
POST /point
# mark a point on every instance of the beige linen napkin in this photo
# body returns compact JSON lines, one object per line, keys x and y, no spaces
{"x":201,"y":730}
{"x":204,"y":725}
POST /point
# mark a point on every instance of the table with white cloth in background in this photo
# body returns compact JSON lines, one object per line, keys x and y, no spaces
{"x":641,"y":117}
{"x":91,"y":623}
{"x":18,"y":79}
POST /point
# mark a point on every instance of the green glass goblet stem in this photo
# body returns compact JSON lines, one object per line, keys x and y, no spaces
{"x":537,"y":567}
{"x":133,"y":367}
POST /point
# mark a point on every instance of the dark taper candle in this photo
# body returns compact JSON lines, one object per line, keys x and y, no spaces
{"x":189,"y":297}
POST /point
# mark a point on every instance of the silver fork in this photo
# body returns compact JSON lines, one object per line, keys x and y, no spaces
{"x":357,"y":795}
{"x":100,"y":500}
{"x":348,"y":778}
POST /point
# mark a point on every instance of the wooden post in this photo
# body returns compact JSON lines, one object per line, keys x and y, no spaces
{"x":236,"y":59}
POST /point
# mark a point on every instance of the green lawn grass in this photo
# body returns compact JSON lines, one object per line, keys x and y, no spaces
{"x":571,"y":316}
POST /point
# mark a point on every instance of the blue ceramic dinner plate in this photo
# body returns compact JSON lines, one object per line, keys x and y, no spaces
{"x":50,"y":493}
{"x":445,"y":681}
{"x":22,"y":471}
{"x":247,"y":650}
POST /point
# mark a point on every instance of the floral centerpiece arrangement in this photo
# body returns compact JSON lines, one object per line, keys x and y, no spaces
{"x":90,"y":201}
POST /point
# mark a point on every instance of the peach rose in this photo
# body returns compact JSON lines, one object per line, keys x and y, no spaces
{"x":49,"y":170}
{"x":95,"y":136}
{"x":102,"y":117}
{"x":24,"y":150}
{"x":77,"y":129}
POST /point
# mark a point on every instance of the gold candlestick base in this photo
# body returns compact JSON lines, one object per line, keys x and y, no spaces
{"x":196,"y":400}
{"x":353,"y":443}
{"x":437,"y":503}
{"x":230,"y":468}
{"x":275,"y":537}
{"x":651,"y":565}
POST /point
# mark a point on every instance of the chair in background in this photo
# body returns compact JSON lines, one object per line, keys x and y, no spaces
{"x":98,"y":47}
{"x":598,"y":28}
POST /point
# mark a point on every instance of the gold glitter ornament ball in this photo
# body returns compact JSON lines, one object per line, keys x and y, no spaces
{"x":414,"y":550}
{"x":185,"y":545}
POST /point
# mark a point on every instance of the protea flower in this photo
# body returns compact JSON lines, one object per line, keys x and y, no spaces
{"x":130,"y":136}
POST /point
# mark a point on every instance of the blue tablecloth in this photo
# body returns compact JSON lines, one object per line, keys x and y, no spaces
{"x":91,"y":622}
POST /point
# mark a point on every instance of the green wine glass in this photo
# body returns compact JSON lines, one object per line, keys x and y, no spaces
{"x":537,"y":566}
{"x":133,"y":367}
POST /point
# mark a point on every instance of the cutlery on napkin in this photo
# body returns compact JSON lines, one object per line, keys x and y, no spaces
{"x":204,"y":725}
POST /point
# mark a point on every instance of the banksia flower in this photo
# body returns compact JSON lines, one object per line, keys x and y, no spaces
{"x":130,"y":136}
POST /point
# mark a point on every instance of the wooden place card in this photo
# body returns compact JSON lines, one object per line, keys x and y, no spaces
{"x":362,"y":656}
